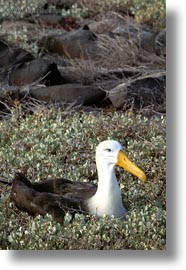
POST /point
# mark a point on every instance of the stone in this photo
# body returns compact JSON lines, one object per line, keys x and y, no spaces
{"x":80,"y":43}
{"x":38,"y":71}
{"x":160,"y":43}
{"x":68,"y":93}
{"x":11,"y":55}
{"x":142,"y":91}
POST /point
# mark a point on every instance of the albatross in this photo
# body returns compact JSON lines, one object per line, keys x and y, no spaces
{"x":57,"y":196}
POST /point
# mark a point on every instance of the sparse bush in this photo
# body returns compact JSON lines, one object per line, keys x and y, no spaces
{"x":146,"y":11}
{"x":150,"y":11}
{"x":17,"y":9}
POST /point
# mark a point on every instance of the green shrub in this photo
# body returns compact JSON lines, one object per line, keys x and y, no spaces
{"x":51,"y":144}
{"x":143,"y":229}
{"x":150,"y":11}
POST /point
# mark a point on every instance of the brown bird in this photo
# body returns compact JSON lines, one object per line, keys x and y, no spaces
{"x":57,"y":196}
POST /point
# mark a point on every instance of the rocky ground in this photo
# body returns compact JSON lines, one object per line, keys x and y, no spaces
{"x":107,"y":60}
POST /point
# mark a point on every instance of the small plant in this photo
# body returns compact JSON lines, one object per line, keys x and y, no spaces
{"x":150,"y":11}
{"x":20,"y":37}
{"x":17,"y":9}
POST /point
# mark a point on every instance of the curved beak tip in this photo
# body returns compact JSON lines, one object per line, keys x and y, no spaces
{"x":142,"y":177}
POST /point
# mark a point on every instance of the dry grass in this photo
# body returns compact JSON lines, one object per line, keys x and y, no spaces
{"x":116,"y":52}
{"x":97,"y":7}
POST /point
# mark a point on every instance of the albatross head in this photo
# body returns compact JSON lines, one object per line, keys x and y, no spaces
{"x":110,"y":153}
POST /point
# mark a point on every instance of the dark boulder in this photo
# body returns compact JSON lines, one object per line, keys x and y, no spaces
{"x":68,"y":93}
{"x":75,"y":44}
{"x":160,"y":43}
{"x":38,"y":70}
{"x":11,"y":55}
{"x":142,"y":91}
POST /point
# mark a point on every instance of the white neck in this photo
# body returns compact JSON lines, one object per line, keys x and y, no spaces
{"x":107,"y":199}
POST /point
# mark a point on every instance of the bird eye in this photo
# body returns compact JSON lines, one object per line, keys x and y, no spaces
{"x":108,"y":149}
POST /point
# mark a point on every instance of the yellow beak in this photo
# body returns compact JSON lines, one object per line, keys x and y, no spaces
{"x":126,"y":163}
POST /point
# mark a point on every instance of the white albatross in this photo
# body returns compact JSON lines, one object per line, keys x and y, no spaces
{"x":107,"y":199}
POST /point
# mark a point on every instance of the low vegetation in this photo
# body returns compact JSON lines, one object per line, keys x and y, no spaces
{"x":146,"y":11}
{"x":51,"y":144}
